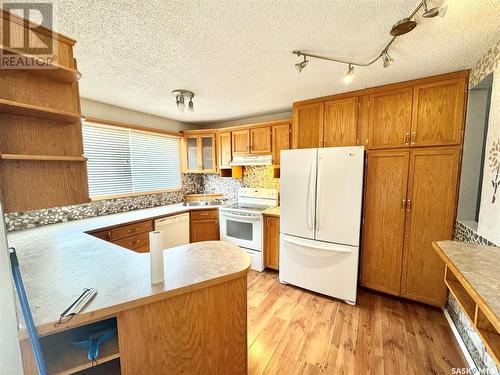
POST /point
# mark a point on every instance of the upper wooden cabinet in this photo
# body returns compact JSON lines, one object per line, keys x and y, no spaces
{"x":252,"y":141}
{"x":198,"y":153}
{"x":341,"y":122}
{"x":423,"y":112}
{"x":260,"y":140}
{"x":281,"y":141}
{"x":389,"y":118}
{"x":307,"y":125}
{"x":224,"y":149}
{"x":241,"y":142}
{"x":438,"y":113}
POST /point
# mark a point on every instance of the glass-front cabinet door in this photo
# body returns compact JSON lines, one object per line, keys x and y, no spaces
{"x":208,"y":152}
{"x":192,"y":153}
{"x":199,"y":153}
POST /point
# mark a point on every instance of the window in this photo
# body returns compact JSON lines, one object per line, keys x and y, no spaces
{"x":123,"y":161}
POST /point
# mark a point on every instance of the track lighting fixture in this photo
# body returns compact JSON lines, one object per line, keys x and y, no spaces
{"x":401,"y":27}
{"x":180,"y":99}
{"x":388,"y":60}
{"x":349,"y":74}
{"x":301,"y":65}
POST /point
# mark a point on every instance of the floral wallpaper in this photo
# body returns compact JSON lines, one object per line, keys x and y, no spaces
{"x":489,"y":212}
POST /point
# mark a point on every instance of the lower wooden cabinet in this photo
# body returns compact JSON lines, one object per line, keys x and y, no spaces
{"x":204,"y":225}
{"x":131,"y":236}
{"x":384,"y":220}
{"x":431,"y":205}
{"x":410,"y":201}
{"x":271,"y":242}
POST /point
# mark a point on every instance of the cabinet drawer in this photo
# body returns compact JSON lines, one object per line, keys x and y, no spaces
{"x":130,"y":230}
{"x":204,"y":214}
{"x":103,"y":234}
{"x":136,"y":242}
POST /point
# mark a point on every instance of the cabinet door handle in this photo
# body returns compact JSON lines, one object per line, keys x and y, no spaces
{"x":109,"y":236}
{"x":414,"y":138}
{"x":403,"y":204}
{"x":132,"y":230}
{"x":408,"y":205}
{"x":133,"y":243}
{"x":203,"y":213}
{"x":407,"y":138}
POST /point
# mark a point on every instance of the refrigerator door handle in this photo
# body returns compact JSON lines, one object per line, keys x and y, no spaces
{"x":318,"y":198}
{"x":329,"y":247}
{"x":309,"y":204}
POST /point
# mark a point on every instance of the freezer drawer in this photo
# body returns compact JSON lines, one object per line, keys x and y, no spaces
{"x":326,"y":268}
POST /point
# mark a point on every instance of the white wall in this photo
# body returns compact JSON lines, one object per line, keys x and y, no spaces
{"x":471,"y":161}
{"x":110,"y":112}
{"x":250,"y":120}
{"x":489,"y":214}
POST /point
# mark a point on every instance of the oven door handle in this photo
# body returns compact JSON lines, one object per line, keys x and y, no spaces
{"x":240,"y":217}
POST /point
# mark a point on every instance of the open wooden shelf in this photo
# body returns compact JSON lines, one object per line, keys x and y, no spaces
{"x":62,"y":357}
{"x":41,"y":157}
{"x":485,"y":324}
{"x":52,"y":70}
{"x":463,"y":298}
{"x":234,"y":172}
{"x":9,"y":106}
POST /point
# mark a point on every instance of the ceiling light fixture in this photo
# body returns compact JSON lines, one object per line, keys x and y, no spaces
{"x":429,"y":13}
{"x":180,"y":99}
{"x":401,"y":27}
{"x":388,"y":60}
{"x":348,"y":76}
{"x":301,"y":65}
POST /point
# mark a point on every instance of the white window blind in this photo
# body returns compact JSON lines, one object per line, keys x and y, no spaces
{"x":123,"y":161}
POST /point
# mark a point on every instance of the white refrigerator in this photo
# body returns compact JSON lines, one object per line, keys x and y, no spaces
{"x":321,"y":202}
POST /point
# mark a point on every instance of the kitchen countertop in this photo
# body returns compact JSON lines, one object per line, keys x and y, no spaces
{"x":479,"y":265}
{"x":58,"y":261}
{"x":273,"y":211}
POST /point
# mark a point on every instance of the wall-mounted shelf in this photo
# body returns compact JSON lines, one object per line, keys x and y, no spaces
{"x":234,"y":172}
{"x":63,"y":358}
{"x":41,"y":157}
{"x":52,"y":70}
{"x":9,"y":106}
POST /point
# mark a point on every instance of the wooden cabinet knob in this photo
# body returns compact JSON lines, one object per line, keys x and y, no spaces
{"x":109,"y":236}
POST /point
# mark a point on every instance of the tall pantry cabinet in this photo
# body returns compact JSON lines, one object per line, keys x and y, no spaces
{"x":413,"y":134}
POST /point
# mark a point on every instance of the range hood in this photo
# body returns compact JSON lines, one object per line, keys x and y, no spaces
{"x":251,"y":160}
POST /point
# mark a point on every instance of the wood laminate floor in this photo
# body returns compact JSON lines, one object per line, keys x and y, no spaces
{"x":292,"y":331}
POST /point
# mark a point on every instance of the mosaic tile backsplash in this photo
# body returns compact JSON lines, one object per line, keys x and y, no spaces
{"x":191,"y":184}
{"x":257,"y":176}
{"x":261,"y":176}
{"x":484,"y":362}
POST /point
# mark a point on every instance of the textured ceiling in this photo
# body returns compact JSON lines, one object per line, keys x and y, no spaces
{"x":236,"y":55}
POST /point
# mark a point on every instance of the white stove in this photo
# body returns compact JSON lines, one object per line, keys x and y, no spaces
{"x":241,"y":223}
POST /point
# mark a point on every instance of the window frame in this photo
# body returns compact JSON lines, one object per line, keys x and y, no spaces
{"x":93,"y":121}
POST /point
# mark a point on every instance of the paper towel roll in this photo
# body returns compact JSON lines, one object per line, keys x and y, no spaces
{"x":156,"y":256}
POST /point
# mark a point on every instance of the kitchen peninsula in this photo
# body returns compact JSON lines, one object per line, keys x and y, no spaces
{"x":186,"y":323}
